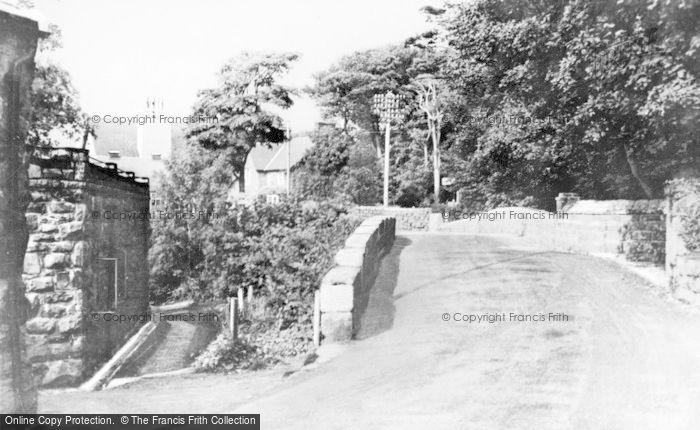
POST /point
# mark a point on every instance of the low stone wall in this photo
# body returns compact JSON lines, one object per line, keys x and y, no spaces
{"x":682,"y":246}
{"x":648,"y":231}
{"x":407,"y":219}
{"x":345,"y":289}
{"x":82,"y":263}
{"x":635,"y":229}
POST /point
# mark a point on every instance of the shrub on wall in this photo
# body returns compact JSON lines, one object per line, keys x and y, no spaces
{"x":289,"y":247}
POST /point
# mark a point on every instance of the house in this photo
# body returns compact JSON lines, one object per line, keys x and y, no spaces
{"x":140,"y":147}
{"x":266,"y":168}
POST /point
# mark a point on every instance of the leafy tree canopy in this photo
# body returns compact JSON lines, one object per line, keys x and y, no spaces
{"x":238,"y":110}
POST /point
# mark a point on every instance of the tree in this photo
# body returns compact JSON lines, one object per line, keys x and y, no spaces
{"x":346,"y":90}
{"x":54,"y":107}
{"x":56,"y":112}
{"x":248,"y":86}
{"x":430,"y":103}
{"x":595,"y":97}
{"x":316,"y":174}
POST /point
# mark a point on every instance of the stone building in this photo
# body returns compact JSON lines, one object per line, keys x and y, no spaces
{"x":85,"y":262}
{"x":19,"y":32}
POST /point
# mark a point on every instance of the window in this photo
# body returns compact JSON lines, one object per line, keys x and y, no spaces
{"x":114,"y":154}
{"x":156,"y":157}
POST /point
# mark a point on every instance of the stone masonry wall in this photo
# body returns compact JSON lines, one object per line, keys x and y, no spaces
{"x":73,"y":231}
{"x":683,"y":239}
{"x":345,"y":289}
{"x":635,"y":229}
{"x":18,"y":42}
{"x":407,"y":219}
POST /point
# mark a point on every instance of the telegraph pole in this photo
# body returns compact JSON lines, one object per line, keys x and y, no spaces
{"x":387,"y":148}
{"x":387,"y":107}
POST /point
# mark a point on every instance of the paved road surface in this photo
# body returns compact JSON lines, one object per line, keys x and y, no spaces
{"x":625,"y":359}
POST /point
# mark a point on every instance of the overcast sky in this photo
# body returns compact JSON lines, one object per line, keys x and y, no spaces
{"x":119,"y":52}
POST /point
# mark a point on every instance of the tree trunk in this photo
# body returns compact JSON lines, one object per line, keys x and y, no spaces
{"x":634,"y":168}
{"x":434,"y":127}
{"x":435,"y":132}
{"x":377,"y":144}
{"x":426,"y":157}
{"x":240,"y":171}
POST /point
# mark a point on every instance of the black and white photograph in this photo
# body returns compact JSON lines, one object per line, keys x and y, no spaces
{"x":366,"y":214}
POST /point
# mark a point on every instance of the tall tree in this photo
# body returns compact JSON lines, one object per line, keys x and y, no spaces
{"x":346,"y":90}
{"x":595,"y":97}
{"x":429,"y":100}
{"x":238,"y":110}
{"x":56,"y":112}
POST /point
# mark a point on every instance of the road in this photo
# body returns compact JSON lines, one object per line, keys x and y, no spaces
{"x":626,"y":358}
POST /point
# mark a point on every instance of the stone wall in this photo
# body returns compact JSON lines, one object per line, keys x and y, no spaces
{"x":683,"y":241}
{"x":634,"y":229}
{"x":345,"y":289}
{"x":407,"y":219}
{"x":18,"y":42}
{"x":77,"y":239}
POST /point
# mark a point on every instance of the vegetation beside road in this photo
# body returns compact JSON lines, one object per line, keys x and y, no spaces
{"x":597,"y":98}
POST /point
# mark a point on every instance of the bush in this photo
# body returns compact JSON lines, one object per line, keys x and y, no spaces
{"x":280,"y":250}
{"x":361,"y":179}
{"x":290,"y":247}
{"x":225,"y":354}
{"x":410,"y":196}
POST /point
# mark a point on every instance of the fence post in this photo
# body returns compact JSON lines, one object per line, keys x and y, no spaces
{"x":241,"y":302}
{"x":317,"y":318}
{"x":233,"y":318}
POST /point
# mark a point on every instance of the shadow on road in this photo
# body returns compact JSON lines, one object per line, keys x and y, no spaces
{"x":475,"y":268}
{"x":378,"y":313}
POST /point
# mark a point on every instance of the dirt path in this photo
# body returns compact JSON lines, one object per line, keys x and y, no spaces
{"x":625,"y":359}
{"x":179,"y":343}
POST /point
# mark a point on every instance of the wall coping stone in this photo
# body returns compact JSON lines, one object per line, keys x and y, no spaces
{"x":617,"y":207}
{"x":345,"y":288}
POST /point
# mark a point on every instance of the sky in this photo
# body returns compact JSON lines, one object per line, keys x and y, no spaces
{"x":121,"y":52}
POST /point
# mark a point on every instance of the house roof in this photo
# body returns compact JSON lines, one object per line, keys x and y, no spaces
{"x":274,"y":157}
{"x":261,"y":155}
{"x":124,"y":138}
{"x":144,"y":167}
{"x":116,"y":137}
